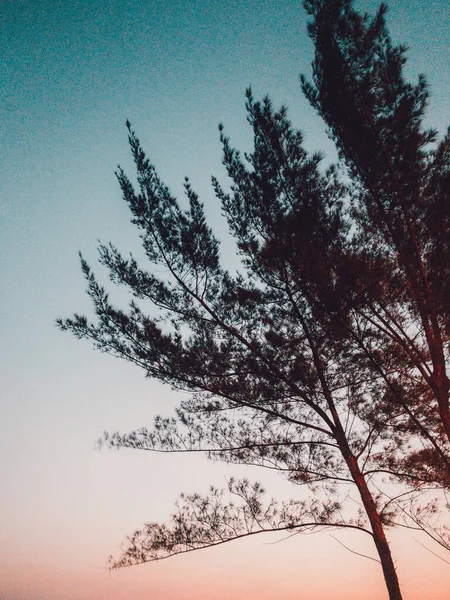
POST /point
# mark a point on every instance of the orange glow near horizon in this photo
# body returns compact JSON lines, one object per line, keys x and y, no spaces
{"x":245,"y":570}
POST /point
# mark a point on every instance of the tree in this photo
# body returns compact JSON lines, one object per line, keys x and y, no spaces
{"x":402,"y":212}
{"x":322,"y":359}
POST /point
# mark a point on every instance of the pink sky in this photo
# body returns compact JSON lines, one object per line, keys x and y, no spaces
{"x":303,"y":568}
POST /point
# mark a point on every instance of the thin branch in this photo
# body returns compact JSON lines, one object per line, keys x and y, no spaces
{"x":431,"y":551}
{"x":354,"y":551}
{"x":312,"y":525}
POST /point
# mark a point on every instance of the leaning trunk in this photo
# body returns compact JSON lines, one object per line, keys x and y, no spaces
{"x":441,"y":390}
{"x":379,"y":537}
{"x":381,"y":543}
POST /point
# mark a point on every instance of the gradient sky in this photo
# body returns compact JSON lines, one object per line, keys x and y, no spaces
{"x":72,"y":72}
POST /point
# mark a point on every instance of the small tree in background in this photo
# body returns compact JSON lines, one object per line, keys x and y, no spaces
{"x":324,"y":359}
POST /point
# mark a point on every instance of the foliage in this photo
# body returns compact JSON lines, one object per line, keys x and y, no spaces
{"x":205,"y":521}
{"x":325,"y":357}
{"x":401,"y":208}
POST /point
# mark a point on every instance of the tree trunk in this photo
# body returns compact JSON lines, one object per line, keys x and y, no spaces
{"x":441,"y":390}
{"x":445,"y":416}
{"x":381,"y":543}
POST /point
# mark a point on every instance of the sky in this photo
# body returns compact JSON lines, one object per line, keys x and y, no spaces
{"x":72,"y":73}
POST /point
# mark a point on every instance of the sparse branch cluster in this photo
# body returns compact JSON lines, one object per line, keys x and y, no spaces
{"x":205,"y":521}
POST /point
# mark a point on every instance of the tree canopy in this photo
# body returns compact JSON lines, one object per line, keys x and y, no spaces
{"x":325,"y":356}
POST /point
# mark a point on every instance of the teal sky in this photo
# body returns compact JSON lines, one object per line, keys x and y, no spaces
{"x":72,"y":73}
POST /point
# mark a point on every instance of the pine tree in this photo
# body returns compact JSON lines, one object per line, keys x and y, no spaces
{"x":324,"y":359}
{"x":401,"y":212}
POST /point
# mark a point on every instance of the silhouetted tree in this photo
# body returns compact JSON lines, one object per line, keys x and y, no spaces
{"x":401,"y":212}
{"x":324,"y":359}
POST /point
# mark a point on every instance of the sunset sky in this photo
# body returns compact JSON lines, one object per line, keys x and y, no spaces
{"x":72,"y":73}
